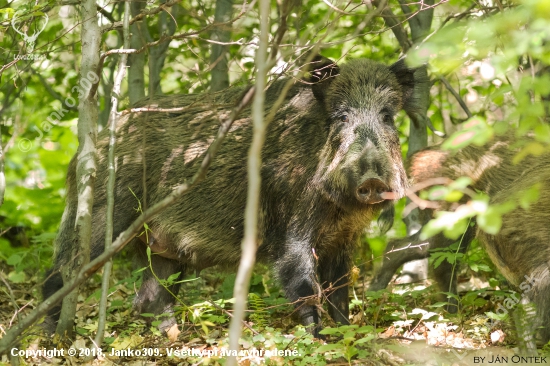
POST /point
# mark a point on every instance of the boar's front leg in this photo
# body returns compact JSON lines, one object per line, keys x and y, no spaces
{"x":296,"y":271}
{"x":152,"y":296}
{"x":334,"y":273}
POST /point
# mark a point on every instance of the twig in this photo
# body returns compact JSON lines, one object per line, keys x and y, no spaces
{"x":231,"y":316}
{"x":422,"y":204}
{"x":435,"y":131}
{"x":408,"y":247}
{"x":18,"y":311}
{"x":162,"y":39}
{"x":53,"y":93}
{"x":11,"y":294}
{"x":395,"y":25}
{"x":142,"y":15}
{"x":105,"y":13}
{"x":336,"y":9}
{"x":457,"y":96}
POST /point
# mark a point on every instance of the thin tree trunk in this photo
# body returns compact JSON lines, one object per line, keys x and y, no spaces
{"x":418,"y":134}
{"x":249,"y":243}
{"x":107,"y":85}
{"x":420,"y":26}
{"x":136,"y":80}
{"x":86,"y":165}
{"x":219,"y":57}
{"x":157,"y":54}
{"x":113,"y":117}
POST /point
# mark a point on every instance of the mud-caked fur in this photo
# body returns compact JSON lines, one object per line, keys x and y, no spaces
{"x":490,"y":167}
{"x":333,"y":132}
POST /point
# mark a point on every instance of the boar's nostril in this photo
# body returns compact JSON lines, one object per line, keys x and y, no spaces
{"x":363,"y":191}
{"x":370,"y":191}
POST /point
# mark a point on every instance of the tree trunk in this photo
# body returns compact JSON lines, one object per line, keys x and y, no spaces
{"x":157,"y":54}
{"x":219,"y":57}
{"x":86,"y":166}
{"x":420,"y":26}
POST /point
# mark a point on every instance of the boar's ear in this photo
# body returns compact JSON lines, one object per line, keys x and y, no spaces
{"x":409,"y":82}
{"x":321,"y":73}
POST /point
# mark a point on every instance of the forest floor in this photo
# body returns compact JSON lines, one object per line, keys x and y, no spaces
{"x":404,"y":325}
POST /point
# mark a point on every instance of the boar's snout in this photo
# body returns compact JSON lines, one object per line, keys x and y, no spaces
{"x":371,"y":190}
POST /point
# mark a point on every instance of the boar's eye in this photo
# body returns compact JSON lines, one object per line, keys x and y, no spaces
{"x":387,"y":117}
{"x":344,"y":118}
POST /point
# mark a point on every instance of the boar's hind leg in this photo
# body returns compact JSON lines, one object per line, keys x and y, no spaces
{"x":152,"y":296}
{"x":525,"y":322}
{"x":296,"y":271}
{"x":528,"y":319}
{"x":541,"y":298}
{"x":53,"y":282}
{"x":334,"y":274}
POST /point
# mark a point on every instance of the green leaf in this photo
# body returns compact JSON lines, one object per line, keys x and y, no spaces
{"x":496,"y":316}
{"x":365,"y":339}
{"x":438,"y":260}
{"x":330,"y":348}
{"x":476,"y":131}
{"x":17,"y":277}
{"x":173,"y":277}
{"x":490,"y":222}
{"x":14,"y":259}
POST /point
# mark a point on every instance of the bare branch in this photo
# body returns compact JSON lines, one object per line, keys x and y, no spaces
{"x":143,"y":14}
{"x":229,"y":314}
{"x":395,"y":25}
{"x":456,"y":95}
{"x":162,"y":39}
{"x":53,"y":93}
{"x":249,"y":244}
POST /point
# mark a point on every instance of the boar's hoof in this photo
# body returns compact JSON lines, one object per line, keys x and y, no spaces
{"x":166,"y":324}
{"x":314,"y":330}
{"x":370,"y":191}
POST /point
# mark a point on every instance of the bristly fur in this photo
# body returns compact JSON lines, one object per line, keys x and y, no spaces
{"x":520,"y":249}
{"x":330,"y":136}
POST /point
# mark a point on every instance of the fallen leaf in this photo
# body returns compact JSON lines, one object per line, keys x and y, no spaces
{"x":173,"y":333}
